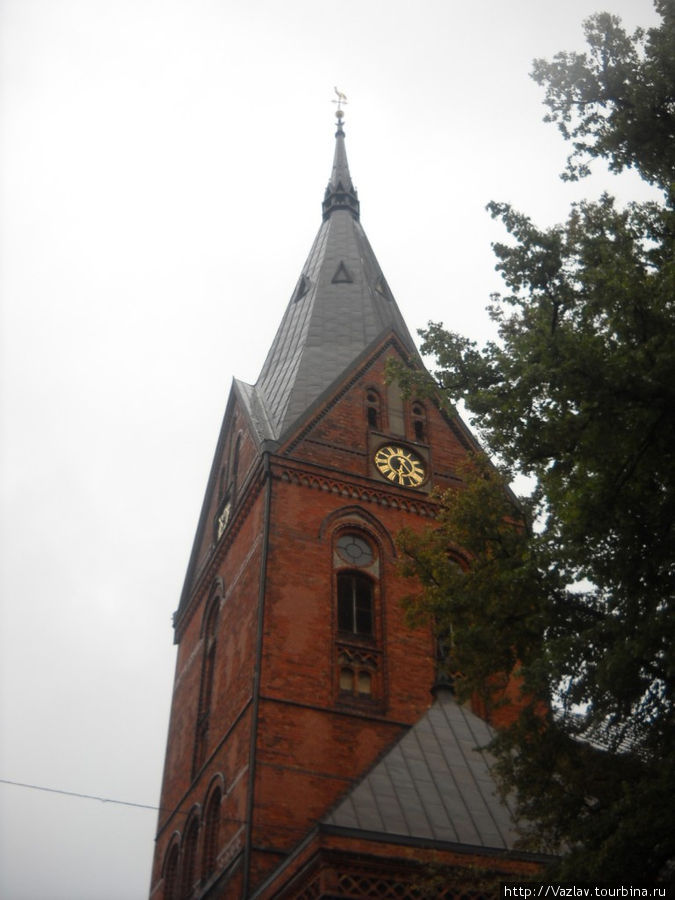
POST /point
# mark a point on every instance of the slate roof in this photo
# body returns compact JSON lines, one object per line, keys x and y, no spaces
{"x":340,"y":306}
{"x":434,"y":784}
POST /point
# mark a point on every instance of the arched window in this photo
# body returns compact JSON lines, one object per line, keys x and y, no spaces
{"x":355,"y":603}
{"x":419,"y":421}
{"x":211,"y":829}
{"x":373,"y":409}
{"x":235,"y":461}
{"x":358,"y":658}
{"x":171,"y":873}
{"x":189,"y":858}
{"x":206,"y":685}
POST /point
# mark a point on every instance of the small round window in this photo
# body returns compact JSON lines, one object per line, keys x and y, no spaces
{"x":354,"y":550}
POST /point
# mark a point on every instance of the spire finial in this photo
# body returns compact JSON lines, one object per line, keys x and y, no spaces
{"x":339,"y":112}
{"x":340,"y":193}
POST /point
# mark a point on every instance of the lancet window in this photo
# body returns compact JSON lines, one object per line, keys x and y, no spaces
{"x":211,"y":833}
{"x":190,"y":842}
{"x":357,"y":590}
{"x":355,"y":603}
{"x":171,"y":873}
{"x":373,"y":408}
{"x":206,"y":682}
{"x":419,"y":421}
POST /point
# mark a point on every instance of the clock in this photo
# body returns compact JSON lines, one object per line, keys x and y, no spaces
{"x":400,"y":465}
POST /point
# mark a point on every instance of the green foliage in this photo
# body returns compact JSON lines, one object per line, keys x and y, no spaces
{"x":616,"y":101}
{"x":481,"y":586}
{"x":578,"y":392}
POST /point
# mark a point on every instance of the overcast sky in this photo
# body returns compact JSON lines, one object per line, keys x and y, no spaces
{"x":162,"y":165}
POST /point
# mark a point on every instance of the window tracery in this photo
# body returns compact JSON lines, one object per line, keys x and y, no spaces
{"x":358,"y":657}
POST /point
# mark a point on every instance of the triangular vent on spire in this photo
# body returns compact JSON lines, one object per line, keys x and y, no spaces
{"x":334,"y":314}
{"x":302,"y":288}
{"x":342,"y":275}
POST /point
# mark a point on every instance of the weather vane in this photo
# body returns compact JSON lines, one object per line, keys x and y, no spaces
{"x":341,"y":99}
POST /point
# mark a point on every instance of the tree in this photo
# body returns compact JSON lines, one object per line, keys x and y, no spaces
{"x":575,"y":584}
{"x":616,"y":101}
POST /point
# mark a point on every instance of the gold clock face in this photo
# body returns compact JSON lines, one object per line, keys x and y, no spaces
{"x":400,"y":465}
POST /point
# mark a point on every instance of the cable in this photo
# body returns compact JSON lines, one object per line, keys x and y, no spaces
{"x":37,"y":787}
{"x":176,"y":812}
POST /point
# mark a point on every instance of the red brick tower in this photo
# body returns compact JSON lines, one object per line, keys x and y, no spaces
{"x":295,"y":671}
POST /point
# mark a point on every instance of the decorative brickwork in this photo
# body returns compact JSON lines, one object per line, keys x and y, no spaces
{"x":354,"y":886}
{"x":312,"y":891}
{"x":357,"y":492}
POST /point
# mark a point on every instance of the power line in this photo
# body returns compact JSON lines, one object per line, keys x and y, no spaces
{"x":37,"y":787}
{"x":176,"y":812}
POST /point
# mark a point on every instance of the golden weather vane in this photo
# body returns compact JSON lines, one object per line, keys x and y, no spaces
{"x":341,"y":100}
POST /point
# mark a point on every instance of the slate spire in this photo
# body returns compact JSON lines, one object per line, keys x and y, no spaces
{"x":341,"y":305}
{"x":340,"y":191}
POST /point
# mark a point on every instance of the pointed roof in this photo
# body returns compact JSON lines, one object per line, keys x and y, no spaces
{"x":434,"y":784}
{"x":340,"y":191}
{"x":340,"y":306}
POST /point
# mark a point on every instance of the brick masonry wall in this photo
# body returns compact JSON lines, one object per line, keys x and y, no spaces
{"x":313,"y":741}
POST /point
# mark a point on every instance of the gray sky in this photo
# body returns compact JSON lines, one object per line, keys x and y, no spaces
{"x":162,"y":164}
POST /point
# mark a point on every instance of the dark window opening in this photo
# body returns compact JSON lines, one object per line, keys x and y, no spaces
{"x":211,"y":828}
{"x":419,"y":422}
{"x":171,"y":874}
{"x":206,"y":689}
{"x":373,"y":411}
{"x":355,"y":603}
{"x":190,"y":858}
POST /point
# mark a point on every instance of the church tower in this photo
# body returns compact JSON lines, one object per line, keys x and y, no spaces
{"x":302,"y":724}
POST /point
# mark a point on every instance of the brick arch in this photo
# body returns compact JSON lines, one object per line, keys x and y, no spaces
{"x":212,"y":825}
{"x":459,"y":556}
{"x":358,"y":518}
{"x":189,"y":868}
{"x":171,"y":867}
{"x":216,"y":594}
{"x":209,"y":638}
{"x":216,"y":781}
